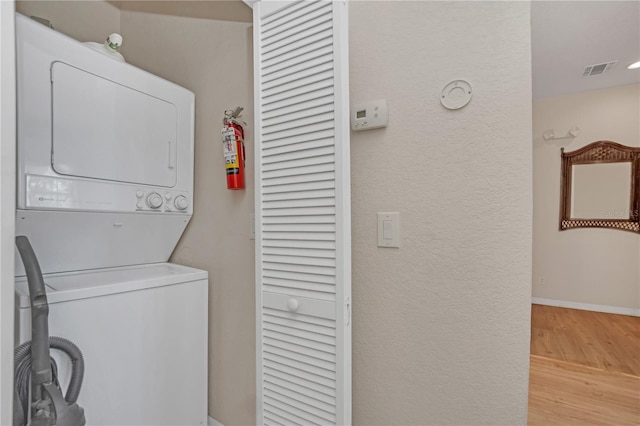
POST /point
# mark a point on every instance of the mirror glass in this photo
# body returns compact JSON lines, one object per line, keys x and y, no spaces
{"x":601,"y":190}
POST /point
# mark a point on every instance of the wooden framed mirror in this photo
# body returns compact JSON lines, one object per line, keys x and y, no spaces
{"x":600,"y":187}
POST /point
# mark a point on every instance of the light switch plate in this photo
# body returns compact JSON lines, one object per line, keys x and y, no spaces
{"x":389,"y":229}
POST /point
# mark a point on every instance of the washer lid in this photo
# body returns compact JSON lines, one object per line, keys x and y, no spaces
{"x":67,"y":286}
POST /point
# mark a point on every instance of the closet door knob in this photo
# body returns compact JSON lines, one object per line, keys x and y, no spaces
{"x":293,"y":305}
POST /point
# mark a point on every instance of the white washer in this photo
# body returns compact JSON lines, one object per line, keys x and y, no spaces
{"x":143,"y":333}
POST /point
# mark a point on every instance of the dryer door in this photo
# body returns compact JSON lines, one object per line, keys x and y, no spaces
{"x":104,"y":130}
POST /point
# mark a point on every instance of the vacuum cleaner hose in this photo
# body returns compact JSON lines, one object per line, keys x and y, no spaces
{"x":22,"y":362}
{"x":41,"y":371}
{"x":73,"y":352}
{"x":34,"y":365}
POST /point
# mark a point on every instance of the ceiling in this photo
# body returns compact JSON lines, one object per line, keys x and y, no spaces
{"x":567,"y":36}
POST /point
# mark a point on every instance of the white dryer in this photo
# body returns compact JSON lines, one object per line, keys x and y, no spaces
{"x":105,"y":155}
{"x":143,"y":334}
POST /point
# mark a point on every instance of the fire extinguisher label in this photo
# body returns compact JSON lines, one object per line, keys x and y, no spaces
{"x":230,"y":150}
{"x":229,"y":142}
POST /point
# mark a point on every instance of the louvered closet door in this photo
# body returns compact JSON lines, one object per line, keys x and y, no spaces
{"x":303,"y":249}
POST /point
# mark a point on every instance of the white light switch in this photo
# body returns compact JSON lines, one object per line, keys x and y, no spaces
{"x":389,"y":229}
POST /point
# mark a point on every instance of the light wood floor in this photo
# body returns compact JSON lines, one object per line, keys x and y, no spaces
{"x":585,"y":368}
{"x":606,"y":341}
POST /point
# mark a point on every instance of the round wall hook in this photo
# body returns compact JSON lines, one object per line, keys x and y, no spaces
{"x":456,"y":94}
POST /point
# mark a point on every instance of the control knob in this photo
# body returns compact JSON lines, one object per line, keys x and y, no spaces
{"x":181,"y":202}
{"x":154,"y":200}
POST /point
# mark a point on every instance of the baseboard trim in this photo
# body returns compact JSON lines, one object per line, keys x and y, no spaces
{"x":586,"y":306}
{"x":213,"y":422}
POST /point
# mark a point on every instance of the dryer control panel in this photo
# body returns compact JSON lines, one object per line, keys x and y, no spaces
{"x":165,"y":201}
{"x":60,"y":193}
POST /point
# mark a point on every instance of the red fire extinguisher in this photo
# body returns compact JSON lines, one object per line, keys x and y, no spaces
{"x":233,"y":146}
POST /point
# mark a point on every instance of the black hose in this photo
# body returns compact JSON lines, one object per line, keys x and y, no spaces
{"x":77,"y":367}
{"x":32,"y":360}
{"x":22,"y":362}
{"x":21,"y":388}
{"x":41,"y":370}
{"x":77,"y":363}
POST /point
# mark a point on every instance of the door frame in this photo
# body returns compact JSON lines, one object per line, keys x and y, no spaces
{"x":7,"y":204}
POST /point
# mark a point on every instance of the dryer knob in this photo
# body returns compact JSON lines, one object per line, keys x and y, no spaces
{"x":181,"y":202}
{"x":154,"y":200}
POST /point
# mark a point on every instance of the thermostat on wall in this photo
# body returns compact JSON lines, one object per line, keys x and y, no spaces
{"x":369,"y":115}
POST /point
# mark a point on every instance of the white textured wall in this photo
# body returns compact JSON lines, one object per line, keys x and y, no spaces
{"x":214,"y":60}
{"x":82,"y":20}
{"x":441,"y":325}
{"x":593,"y":266}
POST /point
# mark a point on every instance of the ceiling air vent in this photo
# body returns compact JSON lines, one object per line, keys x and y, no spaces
{"x":599,"y":68}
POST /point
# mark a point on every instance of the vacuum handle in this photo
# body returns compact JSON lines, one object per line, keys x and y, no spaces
{"x":41,"y":367}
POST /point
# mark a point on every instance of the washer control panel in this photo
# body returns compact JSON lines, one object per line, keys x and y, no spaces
{"x":160,"y":201}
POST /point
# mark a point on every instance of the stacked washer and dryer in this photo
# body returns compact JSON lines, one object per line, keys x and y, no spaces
{"x":105,"y":190}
